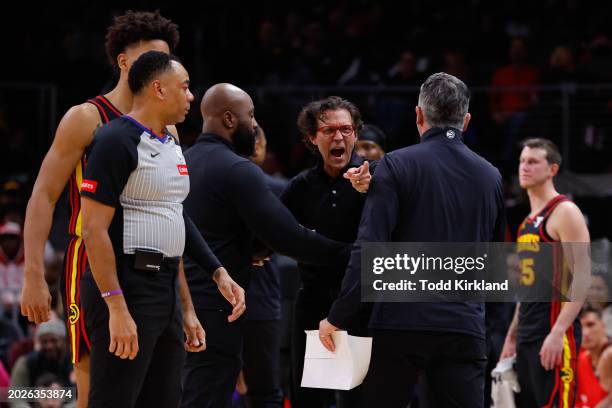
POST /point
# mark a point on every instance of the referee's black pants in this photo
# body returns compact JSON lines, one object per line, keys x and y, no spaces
{"x":209,"y":377}
{"x":453,"y":363}
{"x":152,"y":379}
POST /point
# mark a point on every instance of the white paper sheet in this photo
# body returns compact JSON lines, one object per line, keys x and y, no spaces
{"x":343,"y":369}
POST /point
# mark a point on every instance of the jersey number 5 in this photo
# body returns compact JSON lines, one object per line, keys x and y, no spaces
{"x":527,"y":272}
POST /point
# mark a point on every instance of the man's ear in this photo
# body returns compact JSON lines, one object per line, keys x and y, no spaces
{"x":312,"y":138}
{"x":420,"y":118}
{"x":157,"y":89}
{"x":466,"y":121}
{"x":122,"y":62}
{"x":554,"y":169}
{"x":228,"y":120}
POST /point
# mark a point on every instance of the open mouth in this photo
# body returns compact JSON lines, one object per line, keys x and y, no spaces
{"x":337,"y":152}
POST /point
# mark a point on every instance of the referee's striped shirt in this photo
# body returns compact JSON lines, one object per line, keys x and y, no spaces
{"x":144,"y":176}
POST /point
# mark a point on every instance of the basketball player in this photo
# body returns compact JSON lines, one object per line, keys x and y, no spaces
{"x":130,"y":35}
{"x":546,"y":335}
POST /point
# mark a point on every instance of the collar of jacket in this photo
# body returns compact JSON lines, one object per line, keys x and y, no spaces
{"x":448,"y":133}
{"x":213,"y":138}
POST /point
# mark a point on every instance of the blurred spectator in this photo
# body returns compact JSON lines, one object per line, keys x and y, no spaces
{"x":49,"y":356}
{"x":314,"y":65}
{"x":604,"y":371}
{"x":509,"y":106}
{"x":5,"y":381}
{"x":594,"y":342}
{"x":599,"y":299}
{"x":519,"y":73}
{"x":10,"y":333}
{"x":371,"y":143}
{"x":404,"y":71}
{"x":12,"y":201}
{"x":11,"y":264}
{"x":561,"y":66}
{"x":454,"y":63}
{"x":271,"y":59}
{"x":20,"y":348}
{"x":51,"y":381}
{"x":360,"y":72}
{"x":292,"y":37}
{"x":598,"y":59}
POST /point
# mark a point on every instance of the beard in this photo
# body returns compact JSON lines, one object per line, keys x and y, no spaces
{"x":244,"y":140}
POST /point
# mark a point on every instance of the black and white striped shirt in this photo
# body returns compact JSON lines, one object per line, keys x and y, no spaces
{"x":144,"y":176}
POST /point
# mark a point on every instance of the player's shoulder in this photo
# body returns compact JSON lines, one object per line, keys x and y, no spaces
{"x":566,"y":223}
{"x":78,"y":125}
{"x":84,"y":113}
{"x":566,"y":208}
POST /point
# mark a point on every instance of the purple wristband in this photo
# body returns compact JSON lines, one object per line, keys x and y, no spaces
{"x":112,"y":293}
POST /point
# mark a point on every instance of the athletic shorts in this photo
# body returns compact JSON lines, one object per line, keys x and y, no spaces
{"x":553,"y":388}
{"x":75,"y":261}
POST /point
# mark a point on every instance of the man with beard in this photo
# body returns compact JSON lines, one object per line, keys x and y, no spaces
{"x":231,"y":204}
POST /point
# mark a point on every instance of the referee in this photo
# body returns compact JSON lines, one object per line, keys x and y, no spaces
{"x":135,"y":231}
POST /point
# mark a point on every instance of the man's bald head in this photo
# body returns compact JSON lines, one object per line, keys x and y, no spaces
{"x":223,"y":97}
{"x":228,"y":111}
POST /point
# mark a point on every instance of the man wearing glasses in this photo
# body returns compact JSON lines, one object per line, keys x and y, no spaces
{"x":322,"y":199}
{"x":231,"y":204}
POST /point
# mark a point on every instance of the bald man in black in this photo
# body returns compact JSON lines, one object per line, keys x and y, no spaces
{"x":231,"y":204}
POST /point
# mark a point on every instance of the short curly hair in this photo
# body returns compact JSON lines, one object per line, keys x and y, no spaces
{"x":135,"y":26}
{"x":308,"y":118}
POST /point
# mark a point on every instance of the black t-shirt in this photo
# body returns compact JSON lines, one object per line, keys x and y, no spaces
{"x":332,"y":207}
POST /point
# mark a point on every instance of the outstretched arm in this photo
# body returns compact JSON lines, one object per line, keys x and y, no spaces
{"x":73,"y":134}
{"x":274,"y":224}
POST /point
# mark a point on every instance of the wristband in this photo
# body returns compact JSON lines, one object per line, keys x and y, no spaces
{"x":112,"y":293}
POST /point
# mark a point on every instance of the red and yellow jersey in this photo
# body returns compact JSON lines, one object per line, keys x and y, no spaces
{"x":76,"y":257}
{"x":545,"y":274}
{"x":107,"y":113}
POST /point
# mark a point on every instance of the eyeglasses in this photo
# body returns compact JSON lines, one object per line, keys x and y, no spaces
{"x":329,"y":131}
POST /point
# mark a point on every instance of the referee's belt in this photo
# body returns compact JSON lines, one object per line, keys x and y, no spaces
{"x":152,"y":261}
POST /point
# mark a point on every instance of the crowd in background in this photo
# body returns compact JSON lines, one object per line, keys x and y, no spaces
{"x":537,"y":46}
